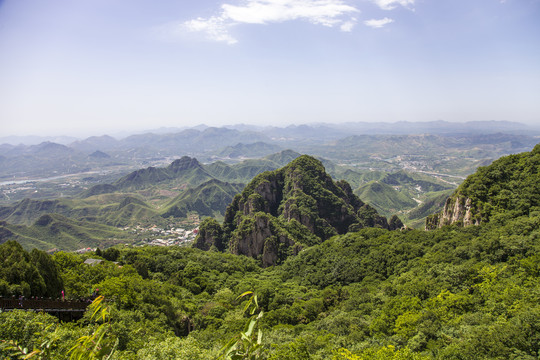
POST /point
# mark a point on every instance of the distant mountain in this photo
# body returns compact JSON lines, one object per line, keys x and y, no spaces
{"x":95,"y":143}
{"x":323,"y":132}
{"x":142,"y":178}
{"x":245,"y":127}
{"x":184,"y":170}
{"x":385,"y":146}
{"x":280,"y":211}
{"x":190,"y":171}
{"x":454,"y":155}
{"x":435,"y":127}
{"x":284,"y":157}
{"x":190,"y":141}
{"x":34,"y":140}
{"x":316,"y":131}
{"x":253,"y":150}
{"x":99,"y":155}
{"x":50,"y":149}
{"x":449,"y":147}
{"x":47,"y":159}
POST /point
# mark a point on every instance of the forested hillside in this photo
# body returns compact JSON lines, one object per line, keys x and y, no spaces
{"x":280,"y":212}
{"x":509,"y":186}
{"x":451,"y":293}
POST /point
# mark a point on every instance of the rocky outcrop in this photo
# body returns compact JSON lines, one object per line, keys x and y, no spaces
{"x":210,"y":235}
{"x":457,"y":210}
{"x":260,"y":237}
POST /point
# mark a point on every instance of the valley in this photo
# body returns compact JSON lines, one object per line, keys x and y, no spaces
{"x":136,"y":182}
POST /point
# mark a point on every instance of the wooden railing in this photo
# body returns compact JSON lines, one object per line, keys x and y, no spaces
{"x":46,"y":305}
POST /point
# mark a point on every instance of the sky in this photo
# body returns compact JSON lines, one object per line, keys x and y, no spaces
{"x":89,"y":67}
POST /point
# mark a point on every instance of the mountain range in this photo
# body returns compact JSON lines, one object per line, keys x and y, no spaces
{"x":306,"y":131}
{"x":363,"y":143}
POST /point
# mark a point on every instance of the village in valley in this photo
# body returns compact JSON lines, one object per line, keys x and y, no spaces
{"x":174,"y":234}
{"x":179,"y":233}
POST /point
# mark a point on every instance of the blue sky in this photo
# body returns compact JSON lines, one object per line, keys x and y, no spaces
{"x":86,"y":67}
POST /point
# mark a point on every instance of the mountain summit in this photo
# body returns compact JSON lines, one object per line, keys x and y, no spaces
{"x":281,"y":211}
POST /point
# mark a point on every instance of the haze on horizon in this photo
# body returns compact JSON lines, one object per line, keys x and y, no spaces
{"x":74,"y":68}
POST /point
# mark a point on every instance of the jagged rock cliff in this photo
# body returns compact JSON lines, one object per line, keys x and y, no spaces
{"x":280,"y":211}
{"x":509,"y":187}
{"x":457,"y":210}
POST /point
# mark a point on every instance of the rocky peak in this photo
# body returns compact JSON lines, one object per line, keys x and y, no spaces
{"x":280,"y":211}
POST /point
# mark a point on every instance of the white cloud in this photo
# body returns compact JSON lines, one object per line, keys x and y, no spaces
{"x":321,"y":12}
{"x":378,"y":23}
{"x":325,"y":12}
{"x":391,"y":4}
{"x":216,"y":28}
{"x":348,"y":26}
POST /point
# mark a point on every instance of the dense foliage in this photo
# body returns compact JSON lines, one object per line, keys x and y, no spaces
{"x":453,"y":293}
{"x":27,"y":273}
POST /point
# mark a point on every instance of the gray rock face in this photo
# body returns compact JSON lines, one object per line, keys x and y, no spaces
{"x":457,"y":210}
{"x":260,"y":237}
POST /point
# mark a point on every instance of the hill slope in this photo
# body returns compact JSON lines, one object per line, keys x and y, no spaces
{"x":509,"y":187}
{"x":384,"y":198}
{"x":56,"y":231}
{"x":206,"y":199}
{"x":111,"y":209}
